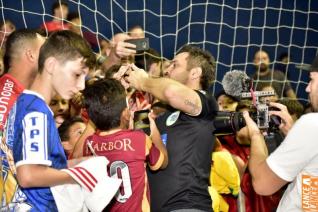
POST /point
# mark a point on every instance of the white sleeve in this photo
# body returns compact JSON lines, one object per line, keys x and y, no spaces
{"x":35,"y":140}
{"x":297,"y":150}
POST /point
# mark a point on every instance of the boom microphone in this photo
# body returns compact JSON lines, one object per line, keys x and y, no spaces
{"x":235,"y":82}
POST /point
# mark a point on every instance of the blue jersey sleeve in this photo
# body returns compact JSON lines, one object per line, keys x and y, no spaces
{"x":34,"y":140}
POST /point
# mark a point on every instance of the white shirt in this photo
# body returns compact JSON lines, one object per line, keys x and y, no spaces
{"x":296,"y":161}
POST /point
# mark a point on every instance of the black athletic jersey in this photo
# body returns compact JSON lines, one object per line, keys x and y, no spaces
{"x":189,"y":141}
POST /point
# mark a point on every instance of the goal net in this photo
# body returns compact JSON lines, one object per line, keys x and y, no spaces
{"x":232,"y":30}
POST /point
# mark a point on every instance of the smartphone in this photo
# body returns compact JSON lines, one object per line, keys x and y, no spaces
{"x":141,"y":120}
{"x":142,"y":44}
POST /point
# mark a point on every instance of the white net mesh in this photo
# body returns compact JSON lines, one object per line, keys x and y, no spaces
{"x":231,"y":30}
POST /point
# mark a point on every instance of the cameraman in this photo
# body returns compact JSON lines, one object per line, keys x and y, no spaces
{"x":295,"y":160}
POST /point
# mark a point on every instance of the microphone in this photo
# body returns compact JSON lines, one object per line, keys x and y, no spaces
{"x":235,"y":82}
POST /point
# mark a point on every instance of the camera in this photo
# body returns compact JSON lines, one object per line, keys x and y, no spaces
{"x":230,"y":122}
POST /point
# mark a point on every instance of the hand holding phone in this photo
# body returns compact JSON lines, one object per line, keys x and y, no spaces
{"x":141,"y":120}
{"x":142,"y":44}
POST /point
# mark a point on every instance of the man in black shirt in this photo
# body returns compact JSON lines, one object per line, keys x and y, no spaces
{"x":186,"y":129}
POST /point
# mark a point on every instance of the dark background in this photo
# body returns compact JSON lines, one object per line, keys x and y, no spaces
{"x":231,"y":30}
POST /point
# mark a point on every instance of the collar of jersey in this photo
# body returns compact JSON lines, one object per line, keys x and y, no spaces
{"x":38,"y":95}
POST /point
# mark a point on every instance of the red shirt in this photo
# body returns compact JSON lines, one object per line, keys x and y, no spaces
{"x":127,"y":151}
{"x":51,"y":26}
{"x":253,"y":201}
{"x":10,"y":89}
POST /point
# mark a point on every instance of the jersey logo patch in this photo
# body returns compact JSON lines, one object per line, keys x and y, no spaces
{"x":309,"y":193}
{"x":172,"y":118}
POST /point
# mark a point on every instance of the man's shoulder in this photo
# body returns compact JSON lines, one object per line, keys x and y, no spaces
{"x":209,"y":105}
{"x":278,"y":73}
{"x":309,"y":118}
{"x":10,"y":84}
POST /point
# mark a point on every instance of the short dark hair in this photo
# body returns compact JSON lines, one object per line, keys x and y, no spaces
{"x":57,"y":4}
{"x":294,"y":107}
{"x":64,"y":129}
{"x":222,"y":92}
{"x":73,"y":15}
{"x":105,"y":100}
{"x":147,"y":58}
{"x":66,"y":45}
{"x":15,"y":41}
{"x":109,"y":73}
{"x":203,"y":59}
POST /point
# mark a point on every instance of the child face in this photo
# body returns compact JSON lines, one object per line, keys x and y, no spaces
{"x":59,"y":106}
{"x":69,"y":78}
{"x":269,"y":98}
{"x":226,"y":103}
{"x":75,"y":131}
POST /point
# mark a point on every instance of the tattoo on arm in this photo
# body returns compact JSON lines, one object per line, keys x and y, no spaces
{"x":195,"y":109}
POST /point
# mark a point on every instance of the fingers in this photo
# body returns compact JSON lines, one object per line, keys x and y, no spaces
{"x":251,"y":125}
{"x":124,"y":83}
{"x":247,"y":117}
{"x":134,"y":67}
{"x":141,"y":72}
{"x":119,"y":75}
{"x":144,"y":105}
{"x":283,"y":113}
{"x":128,"y":46}
{"x":151,"y":116}
{"x":124,"y":49}
{"x":131,"y":120}
{"x":279,"y":106}
{"x":121,"y":72}
{"x":276,"y":113}
{"x":286,"y":120}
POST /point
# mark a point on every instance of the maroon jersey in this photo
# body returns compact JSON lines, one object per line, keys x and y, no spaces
{"x":128,"y":151}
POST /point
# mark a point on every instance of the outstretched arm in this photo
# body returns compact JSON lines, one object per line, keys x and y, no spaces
{"x":174,"y":93}
{"x":157,"y":141}
{"x":34,"y":175}
{"x":119,"y":50}
{"x":265,"y":181}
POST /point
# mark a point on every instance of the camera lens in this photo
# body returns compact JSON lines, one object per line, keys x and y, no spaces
{"x":228,"y":122}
